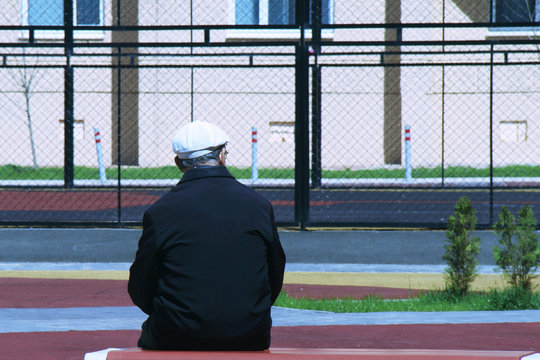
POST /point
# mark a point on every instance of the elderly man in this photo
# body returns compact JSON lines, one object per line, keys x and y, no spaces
{"x":209,"y":264}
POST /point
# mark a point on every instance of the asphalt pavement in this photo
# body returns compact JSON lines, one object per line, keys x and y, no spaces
{"x":84,"y":245}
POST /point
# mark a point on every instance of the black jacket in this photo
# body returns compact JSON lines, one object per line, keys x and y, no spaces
{"x":208,"y":267}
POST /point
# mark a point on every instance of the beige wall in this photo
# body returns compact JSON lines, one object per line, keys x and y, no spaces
{"x":239,"y":98}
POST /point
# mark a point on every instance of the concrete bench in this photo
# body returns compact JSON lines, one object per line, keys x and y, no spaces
{"x":313,"y":353}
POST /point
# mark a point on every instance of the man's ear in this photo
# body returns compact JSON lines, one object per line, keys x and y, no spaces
{"x":222,"y":157}
{"x":178,"y":163}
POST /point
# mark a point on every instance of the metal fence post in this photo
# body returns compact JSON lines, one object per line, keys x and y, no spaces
{"x":316,"y":97}
{"x":69,"y":168}
{"x":119,"y":118}
{"x":301,"y":130}
{"x":316,"y":124}
{"x":491,"y":216}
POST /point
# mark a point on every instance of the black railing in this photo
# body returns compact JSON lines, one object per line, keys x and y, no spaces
{"x":330,"y":110}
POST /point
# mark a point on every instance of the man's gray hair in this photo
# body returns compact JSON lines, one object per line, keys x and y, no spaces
{"x":209,"y":159}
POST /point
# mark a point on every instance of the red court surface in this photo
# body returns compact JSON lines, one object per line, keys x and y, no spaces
{"x":59,"y":293}
{"x":73,"y":200}
{"x":62,"y":293}
{"x":71,"y":345}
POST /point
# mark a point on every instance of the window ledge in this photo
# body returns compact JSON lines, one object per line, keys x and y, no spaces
{"x":54,"y":35}
{"x":513,"y":33}
{"x":274,"y":34}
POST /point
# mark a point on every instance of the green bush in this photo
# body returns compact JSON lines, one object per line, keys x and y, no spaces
{"x":513,"y":298}
{"x":519,"y":254}
{"x":462,"y":248}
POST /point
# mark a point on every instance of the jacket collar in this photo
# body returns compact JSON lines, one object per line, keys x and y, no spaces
{"x":205,"y":171}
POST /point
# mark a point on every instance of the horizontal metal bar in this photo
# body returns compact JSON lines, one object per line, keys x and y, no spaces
{"x":242,"y":44}
{"x":502,"y":63}
{"x":249,"y":65}
{"x":274,"y":54}
{"x":382,"y":25}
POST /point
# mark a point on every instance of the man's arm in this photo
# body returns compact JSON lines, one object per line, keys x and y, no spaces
{"x":276,"y":262}
{"x":143,"y":274}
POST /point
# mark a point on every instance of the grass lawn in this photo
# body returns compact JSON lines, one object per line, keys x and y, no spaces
{"x":15,"y":172}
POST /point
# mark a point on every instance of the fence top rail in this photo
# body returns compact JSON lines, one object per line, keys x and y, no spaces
{"x":244,"y":44}
{"x":438,"y":25}
{"x":250,"y":54}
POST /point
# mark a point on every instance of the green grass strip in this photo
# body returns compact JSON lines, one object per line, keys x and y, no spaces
{"x":15,"y":172}
{"x":508,"y":299}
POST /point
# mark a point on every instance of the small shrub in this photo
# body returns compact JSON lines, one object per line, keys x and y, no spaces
{"x":513,"y":298}
{"x":462,"y":248}
{"x":519,"y":254}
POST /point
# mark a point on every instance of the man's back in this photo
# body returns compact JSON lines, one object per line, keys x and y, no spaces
{"x":209,"y":265}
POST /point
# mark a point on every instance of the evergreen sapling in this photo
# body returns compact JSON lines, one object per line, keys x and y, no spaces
{"x":519,"y":253}
{"x":462,"y":248}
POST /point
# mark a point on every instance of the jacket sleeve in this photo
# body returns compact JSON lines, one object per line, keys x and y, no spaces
{"x":143,"y":273}
{"x":276,"y":262}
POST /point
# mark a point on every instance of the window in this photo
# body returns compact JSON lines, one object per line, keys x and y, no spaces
{"x":515,"y":11}
{"x":51,"y":12}
{"x":513,"y":131}
{"x":272,"y":12}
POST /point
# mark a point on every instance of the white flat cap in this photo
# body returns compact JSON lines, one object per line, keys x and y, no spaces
{"x":197,"y":138}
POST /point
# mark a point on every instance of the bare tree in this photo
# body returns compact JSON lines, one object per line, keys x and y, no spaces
{"x":26,"y":78}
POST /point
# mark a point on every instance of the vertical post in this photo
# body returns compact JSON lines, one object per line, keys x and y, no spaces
{"x":301,"y":129}
{"x":408,"y":168}
{"x":117,"y":122}
{"x":491,"y":218}
{"x":316,"y":124}
{"x":392,"y":109}
{"x":101,"y":166}
{"x":125,"y":77}
{"x":69,"y":168}
{"x":443,"y":90}
{"x":316,"y":21}
{"x":254,"y":166}
{"x":316,"y":97}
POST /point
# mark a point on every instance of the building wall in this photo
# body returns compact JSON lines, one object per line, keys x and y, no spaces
{"x":453,"y":100}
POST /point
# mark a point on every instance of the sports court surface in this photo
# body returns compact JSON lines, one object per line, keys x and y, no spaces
{"x":63,"y":314}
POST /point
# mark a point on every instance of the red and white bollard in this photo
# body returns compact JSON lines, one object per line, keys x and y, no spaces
{"x":408,"y":168}
{"x":102,"y":176}
{"x":254,"y":167}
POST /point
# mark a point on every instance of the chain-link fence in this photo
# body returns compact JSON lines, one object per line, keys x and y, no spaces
{"x":341,"y":113}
